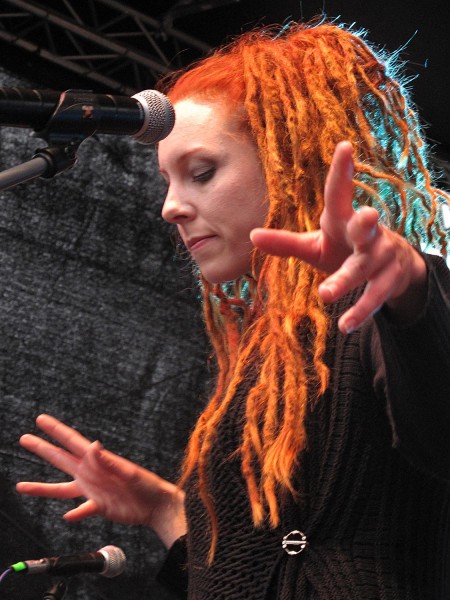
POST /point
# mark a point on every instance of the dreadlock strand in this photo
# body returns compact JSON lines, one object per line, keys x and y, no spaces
{"x":248,"y":472}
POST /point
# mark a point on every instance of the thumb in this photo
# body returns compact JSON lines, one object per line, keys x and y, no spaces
{"x":85,"y":510}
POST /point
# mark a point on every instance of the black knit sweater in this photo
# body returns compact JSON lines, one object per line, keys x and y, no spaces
{"x":374,"y":499}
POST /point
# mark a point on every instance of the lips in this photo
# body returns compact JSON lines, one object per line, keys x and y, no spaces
{"x":198,"y":242}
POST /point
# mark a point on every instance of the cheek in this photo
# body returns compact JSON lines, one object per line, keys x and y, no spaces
{"x":258,"y":204}
{"x":240,"y":205}
{"x":249,"y":199}
{"x":256,"y":210}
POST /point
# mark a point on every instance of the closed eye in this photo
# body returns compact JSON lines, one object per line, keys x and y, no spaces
{"x":204,"y":175}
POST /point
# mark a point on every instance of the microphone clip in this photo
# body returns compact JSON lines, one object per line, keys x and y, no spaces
{"x":75,"y":118}
{"x":57,"y":591}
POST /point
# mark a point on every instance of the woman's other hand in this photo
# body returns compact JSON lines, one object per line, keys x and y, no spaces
{"x":354,"y":248}
{"x":114,"y":488}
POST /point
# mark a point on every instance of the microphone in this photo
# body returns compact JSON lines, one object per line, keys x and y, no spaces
{"x":109,"y":561}
{"x":148,"y":116}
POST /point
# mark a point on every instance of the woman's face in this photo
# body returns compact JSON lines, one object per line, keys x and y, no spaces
{"x":217,"y":191}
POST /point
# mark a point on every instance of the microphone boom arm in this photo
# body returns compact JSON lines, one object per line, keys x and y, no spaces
{"x":47,"y":162}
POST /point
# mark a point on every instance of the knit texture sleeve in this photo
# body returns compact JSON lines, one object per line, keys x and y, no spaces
{"x":411,"y":374}
{"x":173,"y":575}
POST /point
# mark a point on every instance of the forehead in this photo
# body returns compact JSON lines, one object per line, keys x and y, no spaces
{"x":196,"y":117}
{"x":190,"y":113}
{"x":197,"y":123}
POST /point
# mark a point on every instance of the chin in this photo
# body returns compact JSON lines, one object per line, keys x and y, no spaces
{"x":218,"y":270}
{"x":222,"y":276}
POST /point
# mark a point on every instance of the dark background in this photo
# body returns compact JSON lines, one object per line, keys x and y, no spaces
{"x":100,"y":322}
{"x":100,"y":327}
{"x":422,"y":26}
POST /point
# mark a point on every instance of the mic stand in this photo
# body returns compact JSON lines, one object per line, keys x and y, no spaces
{"x":74,"y":120}
{"x":56,"y":592}
{"x":47,"y":162}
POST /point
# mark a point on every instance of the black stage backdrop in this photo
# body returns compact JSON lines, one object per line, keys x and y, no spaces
{"x":100,"y":326}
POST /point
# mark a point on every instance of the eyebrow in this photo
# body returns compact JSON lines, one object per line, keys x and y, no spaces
{"x":181,"y":158}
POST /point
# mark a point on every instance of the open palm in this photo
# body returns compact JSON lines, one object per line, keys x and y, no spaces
{"x":114,"y":487}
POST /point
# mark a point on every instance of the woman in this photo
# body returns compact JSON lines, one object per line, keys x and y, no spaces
{"x":320,"y":467}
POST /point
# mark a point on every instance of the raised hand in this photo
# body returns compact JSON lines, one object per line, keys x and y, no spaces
{"x":115,"y":488}
{"x":354,"y":248}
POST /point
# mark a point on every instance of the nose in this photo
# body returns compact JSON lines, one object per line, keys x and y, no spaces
{"x":176,"y":209}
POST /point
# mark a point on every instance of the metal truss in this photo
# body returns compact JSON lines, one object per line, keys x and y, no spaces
{"x":109,"y":42}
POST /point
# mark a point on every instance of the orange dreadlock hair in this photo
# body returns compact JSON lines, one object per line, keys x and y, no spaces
{"x":303,"y":89}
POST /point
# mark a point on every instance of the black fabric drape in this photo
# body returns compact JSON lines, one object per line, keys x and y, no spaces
{"x":100,"y":326}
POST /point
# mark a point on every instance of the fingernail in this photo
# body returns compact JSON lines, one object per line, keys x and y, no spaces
{"x":327,"y":290}
{"x":350,"y":326}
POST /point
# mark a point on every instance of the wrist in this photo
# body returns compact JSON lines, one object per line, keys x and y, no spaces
{"x":410,"y":302}
{"x":168,"y":519}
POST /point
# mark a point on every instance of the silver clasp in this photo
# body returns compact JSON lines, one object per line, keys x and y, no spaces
{"x":294,"y":542}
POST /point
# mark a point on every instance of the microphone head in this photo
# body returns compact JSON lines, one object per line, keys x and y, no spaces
{"x":159,"y":116}
{"x":115,"y":561}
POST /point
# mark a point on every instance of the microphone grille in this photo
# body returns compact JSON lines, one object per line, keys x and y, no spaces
{"x":159,"y":116}
{"x":115,"y":561}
